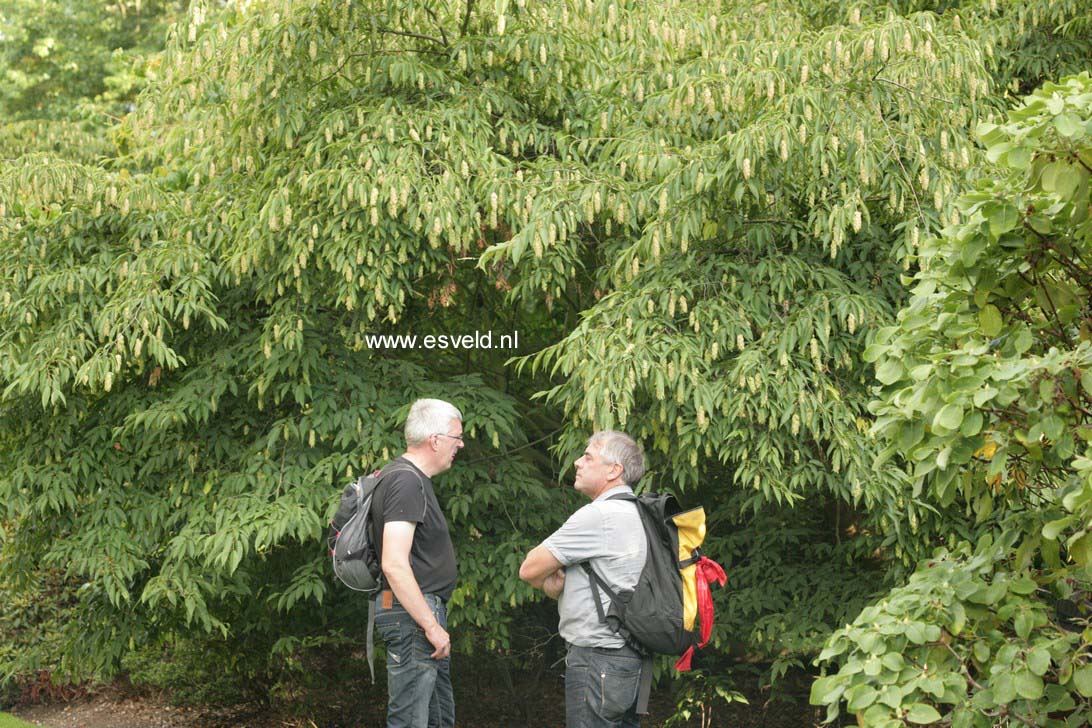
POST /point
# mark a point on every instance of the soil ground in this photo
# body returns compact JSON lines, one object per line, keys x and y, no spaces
{"x":486,"y":698}
{"x":119,"y":708}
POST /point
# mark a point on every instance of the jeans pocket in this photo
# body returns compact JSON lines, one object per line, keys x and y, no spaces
{"x":576,"y":694}
{"x":391,"y":632}
{"x":613,"y":689}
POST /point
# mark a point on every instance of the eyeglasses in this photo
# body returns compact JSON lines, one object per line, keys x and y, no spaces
{"x":453,"y":437}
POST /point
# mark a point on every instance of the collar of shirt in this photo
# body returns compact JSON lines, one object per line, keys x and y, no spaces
{"x":616,"y":489}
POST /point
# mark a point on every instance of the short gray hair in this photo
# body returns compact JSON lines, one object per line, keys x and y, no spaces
{"x":428,"y":417}
{"x":618,"y":448}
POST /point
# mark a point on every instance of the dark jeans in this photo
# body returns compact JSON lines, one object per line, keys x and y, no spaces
{"x":418,"y":687}
{"x":601,"y":687}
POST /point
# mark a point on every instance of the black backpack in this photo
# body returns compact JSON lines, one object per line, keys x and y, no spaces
{"x":651,"y":617}
{"x":350,"y":539}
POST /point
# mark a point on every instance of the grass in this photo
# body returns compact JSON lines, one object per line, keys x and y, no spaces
{"x":10,"y":721}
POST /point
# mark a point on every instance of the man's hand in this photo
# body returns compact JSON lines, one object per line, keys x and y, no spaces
{"x":440,"y":639}
{"x":554,"y":584}
{"x":538,"y":565}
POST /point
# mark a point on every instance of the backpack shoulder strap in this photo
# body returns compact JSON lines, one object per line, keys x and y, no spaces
{"x":598,"y":582}
{"x":404,"y":469}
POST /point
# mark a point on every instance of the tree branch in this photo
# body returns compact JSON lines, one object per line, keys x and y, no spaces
{"x":1054,"y":312}
{"x":466,"y":17}
{"x":962,"y":664}
{"x":919,"y":93}
{"x":439,"y":25}
{"x":1064,"y":259}
{"x":410,"y":34}
{"x":909,"y":179}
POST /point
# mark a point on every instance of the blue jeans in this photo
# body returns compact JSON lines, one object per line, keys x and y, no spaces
{"x":418,"y":687}
{"x":601,"y":687}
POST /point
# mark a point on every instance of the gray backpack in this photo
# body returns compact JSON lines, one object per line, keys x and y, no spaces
{"x":353,"y":547}
{"x":351,"y":542}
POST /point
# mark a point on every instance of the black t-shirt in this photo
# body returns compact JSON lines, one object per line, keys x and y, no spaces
{"x":406,"y":494}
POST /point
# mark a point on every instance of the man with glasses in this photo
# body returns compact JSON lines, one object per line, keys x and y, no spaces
{"x":419,"y":571}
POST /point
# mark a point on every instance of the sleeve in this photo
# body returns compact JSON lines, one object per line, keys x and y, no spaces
{"x":404,"y":499}
{"x":579,"y":539}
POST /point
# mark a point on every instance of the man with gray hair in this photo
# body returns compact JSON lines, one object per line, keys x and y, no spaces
{"x":602,"y":673}
{"x":419,"y":573}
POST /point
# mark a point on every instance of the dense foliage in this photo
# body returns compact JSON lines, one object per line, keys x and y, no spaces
{"x":65,"y":60}
{"x":695,"y":216}
{"x":987,"y":385}
{"x":71,"y":70}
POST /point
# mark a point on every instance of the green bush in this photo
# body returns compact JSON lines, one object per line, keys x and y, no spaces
{"x":973,"y":639}
{"x":986,"y":393}
{"x":32,"y":619}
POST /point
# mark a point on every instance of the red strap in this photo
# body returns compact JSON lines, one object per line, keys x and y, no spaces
{"x":707,"y":571}
{"x":683,"y":663}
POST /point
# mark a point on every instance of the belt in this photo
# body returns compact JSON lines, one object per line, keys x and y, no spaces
{"x":623,"y":651}
{"x":387,"y":598}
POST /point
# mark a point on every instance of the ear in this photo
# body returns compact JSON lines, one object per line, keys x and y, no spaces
{"x":616,"y":474}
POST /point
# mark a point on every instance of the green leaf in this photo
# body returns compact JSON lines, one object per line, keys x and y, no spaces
{"x":1052,"y":529}
{"x":1023,"y":585}
{"x":1082,"y":680}
{"x":932,"y":685}
{"x":949,"y":417}
{"x":827,"y":689}
{"x":832,"y":650}
{"x":972,"y":424}
{"x":981,"y":651}
{"x":893,"y":661}
{"x":915,"y":632}
{"x":983,"y":396}
{"x":1018,"y":158}
{"x":1061,"y":178}
{"x":959,"y":618}
{"x":922,"y":714}
{"x":873,"y":352}
{"x":989,"y":320}
{"x":1023,"y":625}
{"x":1004,"y":687}
{"x":1068,"y":124}
{"x":1003,"y":219}
{"x":1040,"y":224}
{"x":860,"y":697}
{"x":995,"y":151}
{"x":1081,"y":550}
{"x":972,"y":249}
{"x":1038,"y":660}
{"x":1029,"y":686}
{"x":890,"y":371}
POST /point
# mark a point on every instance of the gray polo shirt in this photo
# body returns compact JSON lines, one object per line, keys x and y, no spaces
{"x":609,"y":535}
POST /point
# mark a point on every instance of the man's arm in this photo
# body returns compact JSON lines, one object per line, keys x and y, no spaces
{"x":542,"y":570}
{"x":397,"y":541}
